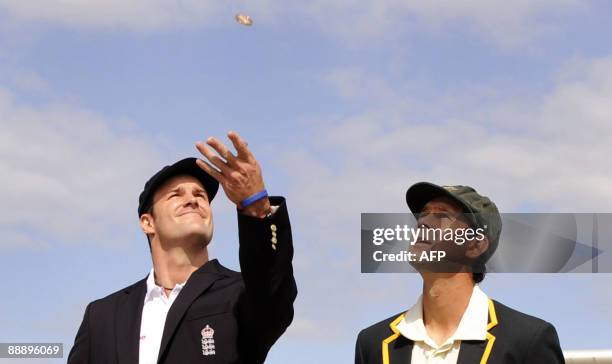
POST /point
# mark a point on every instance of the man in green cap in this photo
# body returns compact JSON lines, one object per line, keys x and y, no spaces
{"x":454,"y":321}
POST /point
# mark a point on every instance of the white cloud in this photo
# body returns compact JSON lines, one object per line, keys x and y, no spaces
{"x":139,"y":15}
{"x":505,"y":23}
{"x":353,"y":83}
{"x":551,"y":152}
{"x":26,"y":80}
{"x":136,"y":15}
{"x":67,"y":175}
{"x":356,"y":21}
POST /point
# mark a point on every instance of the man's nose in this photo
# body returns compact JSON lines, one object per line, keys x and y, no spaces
{"x":427,"y":221}
{"x":192,"y":200}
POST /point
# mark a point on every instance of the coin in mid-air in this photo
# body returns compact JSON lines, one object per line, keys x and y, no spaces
{"x":244,"y":19}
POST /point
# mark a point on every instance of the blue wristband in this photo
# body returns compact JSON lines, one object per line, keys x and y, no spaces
{"x":253,"y":198}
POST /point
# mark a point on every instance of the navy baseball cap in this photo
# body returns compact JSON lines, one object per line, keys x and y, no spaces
{"x":185,"y":166}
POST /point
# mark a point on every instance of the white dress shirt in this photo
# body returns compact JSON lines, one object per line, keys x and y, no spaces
{"x":473,"y":326}
{"x":154,"y":312}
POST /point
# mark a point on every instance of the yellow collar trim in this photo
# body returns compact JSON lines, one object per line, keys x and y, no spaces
{"x":490,"y":337}
{"x":485,"y":356}
{"x":387,"y":341}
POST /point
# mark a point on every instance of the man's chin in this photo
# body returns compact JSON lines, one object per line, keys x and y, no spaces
{"x":203,"y":238}
{"x":194,"y":236}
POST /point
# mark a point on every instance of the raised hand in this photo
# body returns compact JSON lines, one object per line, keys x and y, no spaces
{"x":239,"y":175}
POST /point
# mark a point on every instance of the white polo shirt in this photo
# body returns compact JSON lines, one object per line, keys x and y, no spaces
{"x":473,"y":326}
{"x":154,"y":312}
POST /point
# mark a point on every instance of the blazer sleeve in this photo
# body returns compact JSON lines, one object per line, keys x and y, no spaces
{"x":266,"y":253}
{"x":79,"y":354}
{"x":359,"y":357}
{"x":545,"y":346}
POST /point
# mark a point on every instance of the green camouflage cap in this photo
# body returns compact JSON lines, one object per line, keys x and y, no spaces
{"x":480,"y":210}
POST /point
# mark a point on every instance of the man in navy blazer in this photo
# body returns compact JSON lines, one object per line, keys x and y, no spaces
{"x":190,"y":309}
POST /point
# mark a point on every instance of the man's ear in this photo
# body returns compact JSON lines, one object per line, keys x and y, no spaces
{"x":147,"y":224}
{"x":477,"y":247}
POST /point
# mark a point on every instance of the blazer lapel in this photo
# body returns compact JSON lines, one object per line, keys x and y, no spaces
{"x":396,"y":348}
{"x":198,"y":282}
{"x":473,"y":351}
{"x":127,"y":322}
{"x":400,"y":351}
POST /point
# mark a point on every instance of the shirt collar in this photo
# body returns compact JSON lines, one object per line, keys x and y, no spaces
{"x":153,"y":290}
{"x":473,"y":324}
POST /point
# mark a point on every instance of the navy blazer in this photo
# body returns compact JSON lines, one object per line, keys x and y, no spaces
{"x":248,"y":311}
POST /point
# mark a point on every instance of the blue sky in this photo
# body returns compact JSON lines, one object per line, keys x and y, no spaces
{"x":345,"y":104}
